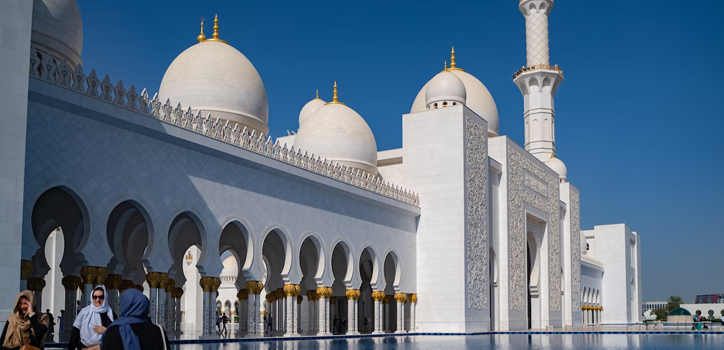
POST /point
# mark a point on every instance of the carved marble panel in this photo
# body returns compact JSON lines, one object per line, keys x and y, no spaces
{"x":528,"y":191}
{"x":575,"y":250}
{"x":476,"y":204}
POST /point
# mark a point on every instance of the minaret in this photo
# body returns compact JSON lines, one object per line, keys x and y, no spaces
{"x":538,"y":81}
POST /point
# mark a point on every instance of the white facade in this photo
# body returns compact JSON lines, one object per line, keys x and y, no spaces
{"x":460,"y":230}
{"x":617,"y":249}
{"x":715,"y":310}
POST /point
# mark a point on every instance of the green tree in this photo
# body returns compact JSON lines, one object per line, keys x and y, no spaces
{"x":661,"y":314}
{"x":674,"y":302}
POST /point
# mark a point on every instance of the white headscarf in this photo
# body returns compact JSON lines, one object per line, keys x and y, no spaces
{"x":90,"y":316}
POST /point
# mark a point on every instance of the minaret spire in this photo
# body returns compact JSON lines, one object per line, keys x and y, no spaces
{"x":538,"y":81}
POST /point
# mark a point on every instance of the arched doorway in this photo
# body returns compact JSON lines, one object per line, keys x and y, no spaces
{"x":393,"y":310}
{"x":274,"y":254}
{"x":533,"y":268}
{"x":234,"y":247}
{"x":309,"y":265}
{"x":186,"y":248}
{"x":61,"y":214}
{"x":342,"y":272}
{"x":365,"y":304}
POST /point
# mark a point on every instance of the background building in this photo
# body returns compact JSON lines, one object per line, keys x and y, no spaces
{"x":709,"y":299}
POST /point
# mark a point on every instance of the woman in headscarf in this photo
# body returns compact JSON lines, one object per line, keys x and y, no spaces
{"x":24,"y":326}
{"x":133,"y":330}
{"x":92,"y":321}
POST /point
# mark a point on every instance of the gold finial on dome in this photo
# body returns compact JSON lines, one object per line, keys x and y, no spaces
{"x":201,"y":36}
{"x":215,"y":36}
{"x":445,"y":67}
{"x":335,"y":100}
{"x":317,"y":98}
{"x":453,"y":66}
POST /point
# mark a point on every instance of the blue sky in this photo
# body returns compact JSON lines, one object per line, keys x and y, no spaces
{"x":637,"y":114}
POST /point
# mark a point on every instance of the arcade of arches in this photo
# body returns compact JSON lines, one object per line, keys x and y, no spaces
{"x":346,"y":299}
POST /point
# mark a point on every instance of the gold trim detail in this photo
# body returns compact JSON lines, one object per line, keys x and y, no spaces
{"x":453,"y":66}
{"x":335,"y":100}
{"x":201,"y":36}
{"x":215,"y":36}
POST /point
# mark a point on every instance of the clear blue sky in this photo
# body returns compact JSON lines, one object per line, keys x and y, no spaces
{"x":637,"y":116}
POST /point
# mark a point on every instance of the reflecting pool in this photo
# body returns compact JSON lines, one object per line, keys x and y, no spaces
{"x":490,"y":342}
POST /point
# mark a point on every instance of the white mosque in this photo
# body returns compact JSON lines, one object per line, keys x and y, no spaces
{"x":460,"y":230}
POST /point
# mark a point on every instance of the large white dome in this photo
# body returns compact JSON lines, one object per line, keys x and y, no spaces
{"x":216,"y":78}
{"x":336,"y":132}
{"x":231,"y":267}
{"x":58,"y":29}
{"x":478,"y":99}
{"x":309,"y":108}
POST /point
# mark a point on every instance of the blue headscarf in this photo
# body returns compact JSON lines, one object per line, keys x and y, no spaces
{"x":134,"y":308}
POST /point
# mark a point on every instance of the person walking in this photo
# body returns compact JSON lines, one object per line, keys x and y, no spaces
{"x":61,"y":328}
{"x":133,"y":330}
{"x":224,"y":319}
{"x":24,"y":326}
{"x":51,"y":319}
{"x":91,"y":322}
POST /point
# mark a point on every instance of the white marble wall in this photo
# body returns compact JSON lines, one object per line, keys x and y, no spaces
{"x":14,"y":64}
{"x":622,"y":266}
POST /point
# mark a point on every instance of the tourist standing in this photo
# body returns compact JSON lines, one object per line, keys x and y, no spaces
{"x":92,"y":321}
{"x":224,"y":319}
{"x":61,"y":328}
{"x":133,"y":330}
{"x":24,"y":326}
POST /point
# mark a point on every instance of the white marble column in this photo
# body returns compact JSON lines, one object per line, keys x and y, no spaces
{"x":413,"y":305}
{"x":377,"y":296}
{"x":161,"y":309}
{"x":253,"y":289}
{"x":312,"y":312}
{"x":206,"y":311}
{"x":386,"y":313}
{"x":323,"y":307}
{"x":400,"y":298}
{"x":71,"y":284}
{"x":291,"y":291}
{"x":352,"y":297}
{"x":243,"y":297}
{"x":298,"y":314}
{"x":169,"y":309}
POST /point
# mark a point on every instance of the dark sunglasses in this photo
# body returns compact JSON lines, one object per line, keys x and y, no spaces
{"x":101,"y":297}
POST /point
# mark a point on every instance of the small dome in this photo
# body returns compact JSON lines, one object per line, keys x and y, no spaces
{"x":680,"y":312}
{"x":337,"y":133}
{"x":309,"y":108}
{"x":231,"y":268}
{"x":445,"y":87}
{"x":216,"y":78}
{"x":557,"y":166}
{"x":58,"y":29}
{"x":477,"y":98}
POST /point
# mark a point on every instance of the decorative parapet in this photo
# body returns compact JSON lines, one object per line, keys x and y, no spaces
{"x":537,"y":67}
{"x":44,"y":67}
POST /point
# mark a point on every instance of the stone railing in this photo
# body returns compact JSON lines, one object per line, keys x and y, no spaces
{"x":44,"y":67}
{"x":537,"y":67}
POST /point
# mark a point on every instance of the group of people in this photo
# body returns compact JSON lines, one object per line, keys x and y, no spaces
{"x":699,"y":323}
{"x":96,"y":327}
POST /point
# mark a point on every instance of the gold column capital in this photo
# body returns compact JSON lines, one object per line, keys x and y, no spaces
{"x":215,"y":284}
{"x":387,"y":299}
{"x":162,"y":280}
{"x":413,"y":298}
{"x":332,"y":300}
{"x":36,"y":284}
{"x":378,"y":295}
{"x":242,"y":294}
{"x":170,"y":285}
{"x":291,"y":290}
{"x":179,"y":292}
{"x":312,"y":295}
{"x":352,"y":294}
{"x":299,"y":299}
{"x":153,"y":279}
{"x":139,"y":287}
{"x":254,"y":287}
{"x":101,"y":275}
{"x":126,"y":284}
{"x":324,"y":292}
{"x":113,"y":281}
{"x":71,"y":283}
{"x":270,"y":298}
{"x":400,"y":297}
{"x":89,"y":274}
{"x":26,"y":268}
